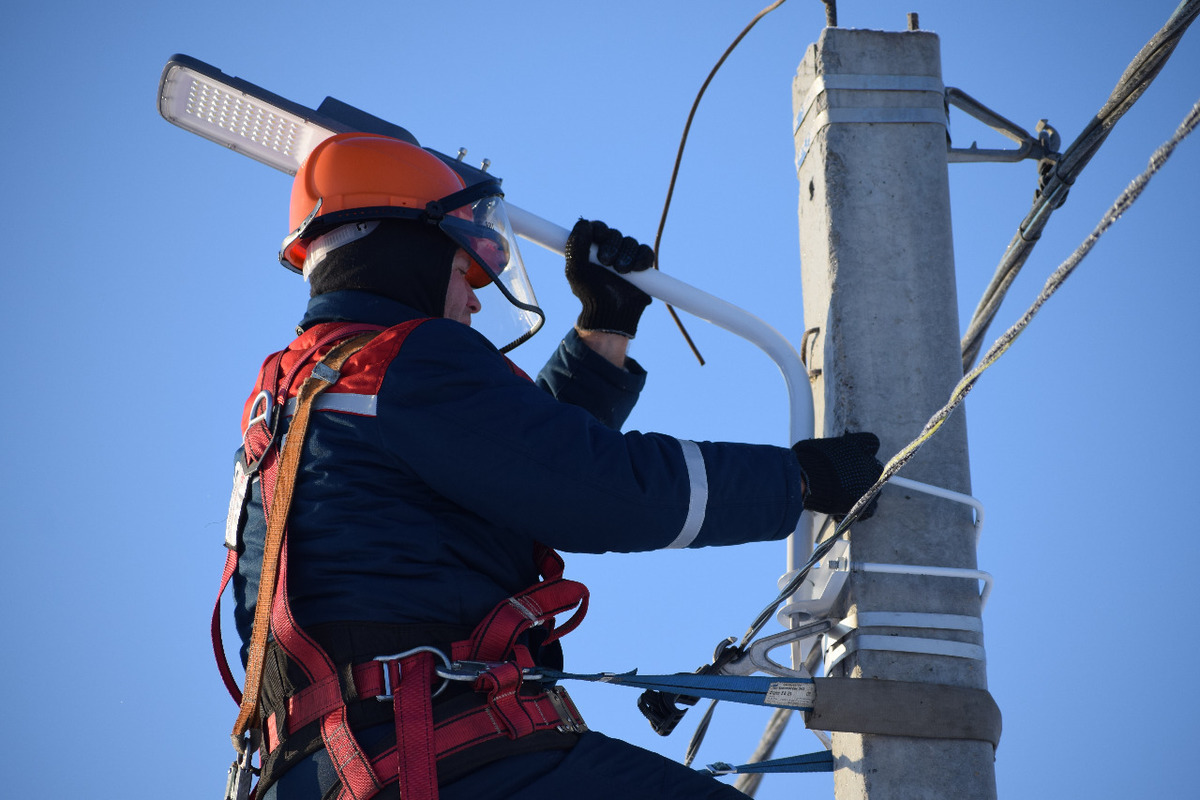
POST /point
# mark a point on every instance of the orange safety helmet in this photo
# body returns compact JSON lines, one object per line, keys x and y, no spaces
{"x":359,"y":177}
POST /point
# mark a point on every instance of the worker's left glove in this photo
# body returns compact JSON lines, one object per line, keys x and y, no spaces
{"x":838,"y":471}
{"x":610,"y":303}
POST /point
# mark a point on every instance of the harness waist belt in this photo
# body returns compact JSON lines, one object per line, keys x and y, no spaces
{"x":548,"y":709}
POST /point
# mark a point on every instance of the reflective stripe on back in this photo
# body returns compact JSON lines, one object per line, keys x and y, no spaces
{"x":346,"y":402}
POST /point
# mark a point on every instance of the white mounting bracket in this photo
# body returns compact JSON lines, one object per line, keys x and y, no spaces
{"x":814,"y":601}
{"x":946,"y":494}
{"x":839,"y":641}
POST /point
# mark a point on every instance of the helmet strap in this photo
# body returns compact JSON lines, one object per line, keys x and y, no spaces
{"x":436,"y":209}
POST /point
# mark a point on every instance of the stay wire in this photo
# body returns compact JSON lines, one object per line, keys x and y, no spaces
{"x":679,"y":159}
{"x":1137,"y":77}
{"x":1122,"y":204}
{"x":748,"y":784}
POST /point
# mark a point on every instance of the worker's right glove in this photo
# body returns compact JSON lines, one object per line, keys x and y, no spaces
{"x":610,"y":303}
{"x":838,"y":471}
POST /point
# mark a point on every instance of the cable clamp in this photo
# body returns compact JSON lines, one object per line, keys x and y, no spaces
{"x":470,"y":671}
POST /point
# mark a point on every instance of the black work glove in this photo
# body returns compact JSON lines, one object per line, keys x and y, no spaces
{"x":838,"y":471}
{"x":609,"y":303}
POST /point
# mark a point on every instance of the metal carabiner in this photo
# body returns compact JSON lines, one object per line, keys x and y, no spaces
{"x":240,"y":778}
{"x":756,"y":658}
{"x":471,"y":670}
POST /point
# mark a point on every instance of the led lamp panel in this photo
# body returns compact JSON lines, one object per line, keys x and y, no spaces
{"x":228,"y":115}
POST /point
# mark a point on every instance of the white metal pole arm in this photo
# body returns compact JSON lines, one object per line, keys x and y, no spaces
{"x":703,"y":305}
{"x":741,"y":322}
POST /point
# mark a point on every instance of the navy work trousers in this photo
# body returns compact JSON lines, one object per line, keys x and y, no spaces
{"x":597,"y":768}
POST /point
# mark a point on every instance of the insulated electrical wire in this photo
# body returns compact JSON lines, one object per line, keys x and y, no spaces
{"x":998,"y":348}
{"x":1053,"y":192}
{"x":679,"y":158}
{"x":1132,"y":84}
{"x":1122,"y":204}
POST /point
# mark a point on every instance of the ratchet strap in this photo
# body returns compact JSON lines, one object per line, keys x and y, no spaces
{"x":905,"y":708}
{"x":820,"y":761}
{"x":850,"y":705}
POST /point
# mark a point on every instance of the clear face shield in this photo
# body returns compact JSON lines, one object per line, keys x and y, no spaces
{"x":510,"y":314}
{"x":475,"y":219}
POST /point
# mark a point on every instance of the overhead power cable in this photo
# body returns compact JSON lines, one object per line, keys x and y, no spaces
{"x":998,"y":348}
{"x":1122,"y":204}
{"x":679,"y":158}
{"x":1058,"y":179}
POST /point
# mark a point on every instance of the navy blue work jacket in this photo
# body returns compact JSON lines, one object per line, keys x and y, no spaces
{"x":422,"y":502}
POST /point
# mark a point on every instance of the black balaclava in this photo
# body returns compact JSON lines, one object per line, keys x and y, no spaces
{"x":406,"y":261}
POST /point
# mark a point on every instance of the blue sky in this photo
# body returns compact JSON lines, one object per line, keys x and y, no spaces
{"x":142,"y":292}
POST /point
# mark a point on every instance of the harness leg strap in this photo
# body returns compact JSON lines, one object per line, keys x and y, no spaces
{"x":354,"y":770}
{"x":412,"y":702}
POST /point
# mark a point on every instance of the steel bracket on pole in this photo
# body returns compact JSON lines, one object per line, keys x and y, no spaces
{"x":1043,"y":147}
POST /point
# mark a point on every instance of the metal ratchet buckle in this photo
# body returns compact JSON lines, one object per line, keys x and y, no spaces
{"x":471,"y":670}
{"x":388,"y":690}
{"x":568,"y":715}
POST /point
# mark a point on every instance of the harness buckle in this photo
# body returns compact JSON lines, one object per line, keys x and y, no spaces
{"x":572,"y":722}
{"x":262,"y":399}
{"x":269,"y":417}
{"x":389,"y":691}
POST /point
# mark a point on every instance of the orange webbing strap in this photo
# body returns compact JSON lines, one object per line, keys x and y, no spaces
{"x":324,"y":375}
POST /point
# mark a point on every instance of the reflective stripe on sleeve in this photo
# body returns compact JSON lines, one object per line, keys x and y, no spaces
{"x":698,"y":502}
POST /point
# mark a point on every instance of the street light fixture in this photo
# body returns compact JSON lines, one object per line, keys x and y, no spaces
{"x":239,"y":115}
{"x":273,"y":130}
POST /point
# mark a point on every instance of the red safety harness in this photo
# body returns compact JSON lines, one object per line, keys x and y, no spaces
{"x":495,"y":659}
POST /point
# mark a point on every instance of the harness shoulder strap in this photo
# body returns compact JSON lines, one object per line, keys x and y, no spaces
{"x":324,"y":375}
{"x":510,"y":712}
{"x":261,"y":458}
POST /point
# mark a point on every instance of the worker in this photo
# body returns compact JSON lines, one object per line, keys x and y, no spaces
{"x":433,"y":479}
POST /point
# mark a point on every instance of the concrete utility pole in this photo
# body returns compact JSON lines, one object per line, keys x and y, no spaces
{"x":878,"y":272}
